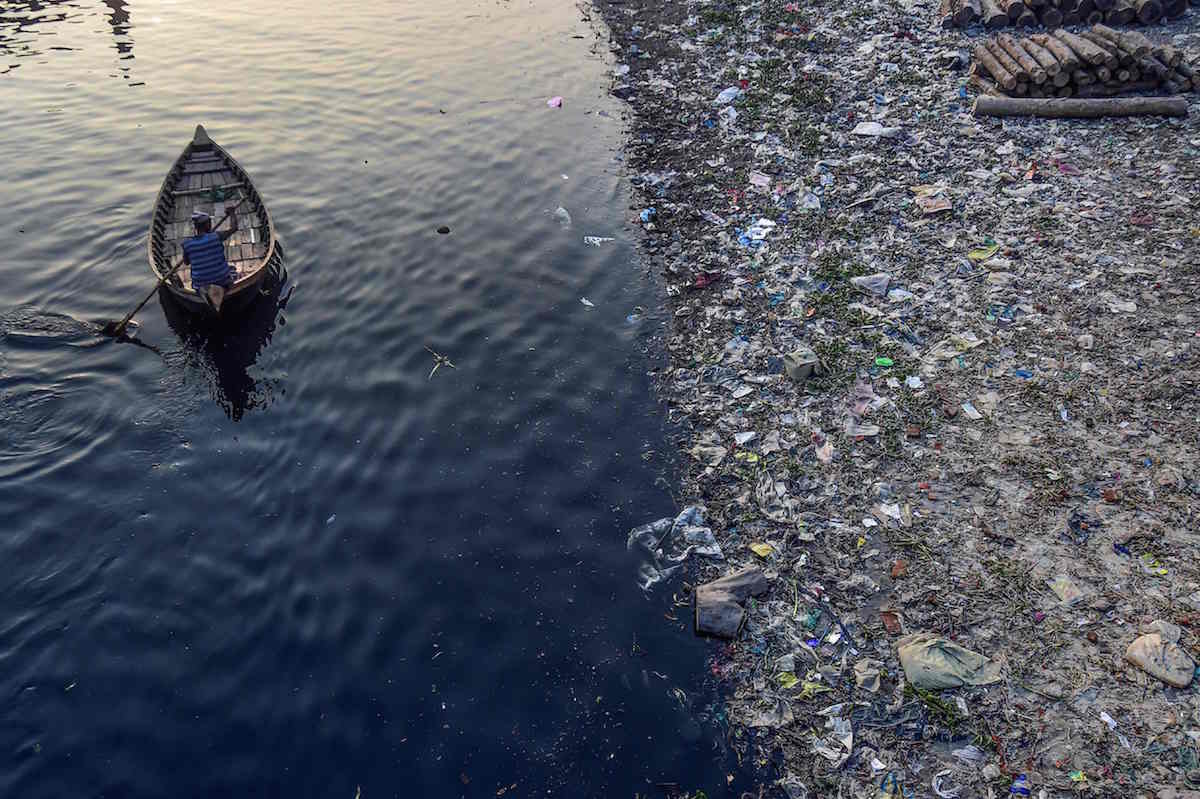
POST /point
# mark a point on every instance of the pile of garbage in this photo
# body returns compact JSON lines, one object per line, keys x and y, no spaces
{"x":938,"y":377}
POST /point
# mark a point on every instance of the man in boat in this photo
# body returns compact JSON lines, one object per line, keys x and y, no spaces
{"x":205,"y":254}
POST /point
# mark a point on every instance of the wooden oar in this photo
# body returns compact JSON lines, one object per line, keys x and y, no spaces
{"x":117,"y":329}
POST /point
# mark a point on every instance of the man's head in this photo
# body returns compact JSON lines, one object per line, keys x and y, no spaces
{"x":202,"y":221}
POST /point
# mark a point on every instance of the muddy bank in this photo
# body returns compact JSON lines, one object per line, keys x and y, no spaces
{"x":939,"y":376}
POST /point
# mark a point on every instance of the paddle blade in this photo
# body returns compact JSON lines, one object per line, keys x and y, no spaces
{"x":115,"y":328}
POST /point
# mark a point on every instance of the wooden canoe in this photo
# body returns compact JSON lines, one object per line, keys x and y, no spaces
{"x":206,"y":178}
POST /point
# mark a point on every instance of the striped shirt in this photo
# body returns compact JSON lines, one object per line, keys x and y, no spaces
{"x":206,"y":254}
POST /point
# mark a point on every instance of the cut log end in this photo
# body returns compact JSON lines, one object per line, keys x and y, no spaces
{"x":1051,"y":17}
{"x":994,"y":17}
{"x":1171,"y":56}
{"x":1120,"y":15}
{"x":1148,"y":11}
{"x":968,"y":14}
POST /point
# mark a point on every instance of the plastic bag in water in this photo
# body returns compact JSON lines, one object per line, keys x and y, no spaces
{"x":672,"y":541}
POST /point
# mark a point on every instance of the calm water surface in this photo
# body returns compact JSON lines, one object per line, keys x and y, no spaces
{"x":284,"y":562}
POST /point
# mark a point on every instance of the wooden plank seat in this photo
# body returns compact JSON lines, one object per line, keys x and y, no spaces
{"x":206,"y":189}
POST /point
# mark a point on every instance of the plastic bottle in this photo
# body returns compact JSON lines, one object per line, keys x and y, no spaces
{"x":1020,"y":786}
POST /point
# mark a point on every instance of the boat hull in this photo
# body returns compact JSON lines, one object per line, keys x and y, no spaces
{"x":207,"y":179}
{"x":235,"y":302}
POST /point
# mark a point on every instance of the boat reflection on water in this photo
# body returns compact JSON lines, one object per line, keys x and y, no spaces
{"x":226,"y":349}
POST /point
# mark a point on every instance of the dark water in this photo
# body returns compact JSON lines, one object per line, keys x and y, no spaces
{"x":283,"y":562}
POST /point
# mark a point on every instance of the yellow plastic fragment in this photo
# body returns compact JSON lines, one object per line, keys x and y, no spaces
{"x":983,"y":253}
{"x":762,"y":550}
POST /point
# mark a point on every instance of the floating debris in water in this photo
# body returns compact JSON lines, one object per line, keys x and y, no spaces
{"x":439,"y":361}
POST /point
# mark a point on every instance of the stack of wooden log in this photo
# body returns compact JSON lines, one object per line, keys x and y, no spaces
{"x":996,"y":14}
{"x":1101,"y":62}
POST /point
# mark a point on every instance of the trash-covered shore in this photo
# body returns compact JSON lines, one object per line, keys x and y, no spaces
{"x":939,"y":381}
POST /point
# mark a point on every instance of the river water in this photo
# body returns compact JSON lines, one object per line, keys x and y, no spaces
{"x":283,"y":561}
